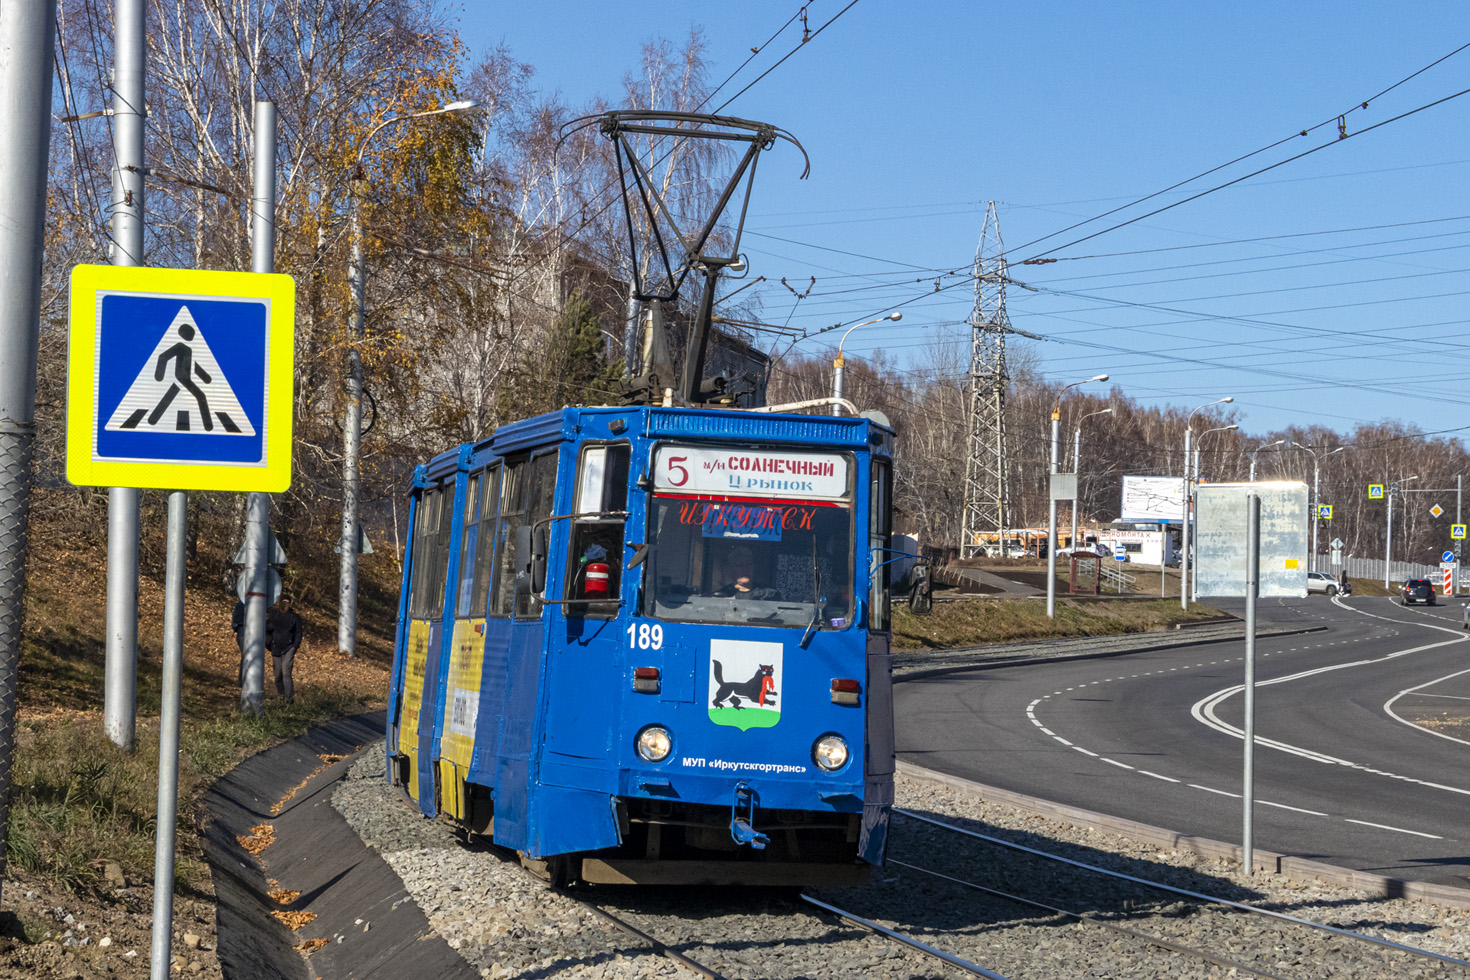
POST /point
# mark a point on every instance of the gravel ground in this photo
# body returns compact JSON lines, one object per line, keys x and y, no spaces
{"x":507,"y":924}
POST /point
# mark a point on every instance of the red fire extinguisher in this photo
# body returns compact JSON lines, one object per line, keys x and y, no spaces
{"x":595,"y":582}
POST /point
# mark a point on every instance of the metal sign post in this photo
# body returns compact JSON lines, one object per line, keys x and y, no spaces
{"x":182,"y":380}
{"x":1252,"y":583}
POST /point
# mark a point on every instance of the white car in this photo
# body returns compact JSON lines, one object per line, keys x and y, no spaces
{"x":1322,"y":582}
{"x":1089,"y":550}
{"x":1012,"y":551}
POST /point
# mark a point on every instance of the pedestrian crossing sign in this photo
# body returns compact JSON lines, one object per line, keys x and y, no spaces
{"x":180,"y":379}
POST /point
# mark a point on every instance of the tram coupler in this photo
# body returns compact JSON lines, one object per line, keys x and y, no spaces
{"x":742,"y":828}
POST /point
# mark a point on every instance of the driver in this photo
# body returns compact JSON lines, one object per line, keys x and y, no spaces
{"x":740,"y":576}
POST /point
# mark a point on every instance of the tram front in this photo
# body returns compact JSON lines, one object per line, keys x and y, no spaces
{"x":760,"y":708}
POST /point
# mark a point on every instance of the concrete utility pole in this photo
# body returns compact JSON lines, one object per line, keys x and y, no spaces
{"x":1051,"y":520}
{"x":27,"y":37}
{"x":121,"y":678}
{"x":1077,"y":465}
{"x":1189,"y":499}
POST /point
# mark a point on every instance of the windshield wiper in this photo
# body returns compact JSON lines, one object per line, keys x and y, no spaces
{"x":819,"y":603}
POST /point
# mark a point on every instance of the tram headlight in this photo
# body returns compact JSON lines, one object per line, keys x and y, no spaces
{"x":654,"y":743}
{"x":830,"y":752}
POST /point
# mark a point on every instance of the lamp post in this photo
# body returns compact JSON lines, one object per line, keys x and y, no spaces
{"x":1077,"y":462}
{"x":1051,"y":519}
{"x":1393,"y":488}
{"x":1189,"y":500}
{"x":1316,"y":495}
{"x":1223,"y":428}
{"x":352,"y":425}
{"x":1252,"y":454}
{"x":838,"y":362}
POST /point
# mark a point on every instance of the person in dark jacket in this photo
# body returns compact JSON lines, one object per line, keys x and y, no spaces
{"x":237,"y":623}
{"x":282,"y":637}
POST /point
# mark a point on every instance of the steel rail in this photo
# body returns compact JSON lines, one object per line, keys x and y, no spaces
{"x":1083,"y":917}
{"x":658,"y":947}
{"x":922,"y":947}
{"x":1200,"y":896}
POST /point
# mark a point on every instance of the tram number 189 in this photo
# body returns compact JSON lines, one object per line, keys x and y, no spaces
{"x":643,"y":636}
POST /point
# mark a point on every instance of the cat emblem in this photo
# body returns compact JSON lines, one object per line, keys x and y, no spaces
{"x":759,"y":690}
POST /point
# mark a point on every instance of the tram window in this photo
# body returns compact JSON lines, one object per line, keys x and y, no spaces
{"x":594,"y":562}
{"x":431,"y":560}
{"x":765,"y":563}
{"x":468,"y":553}
{"x":880,"y":536}
{"x":527,"y":490}
{"x":485,"y":545}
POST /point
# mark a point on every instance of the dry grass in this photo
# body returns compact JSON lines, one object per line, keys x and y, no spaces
{"x":974,"y":622}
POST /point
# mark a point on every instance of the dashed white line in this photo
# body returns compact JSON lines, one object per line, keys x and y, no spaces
{"x":1114,"y":762}
{"x":1384,"y":826}
{"x":1294,"y":809}
{"x":1167,"y":779}
{"x":1208,"y":789}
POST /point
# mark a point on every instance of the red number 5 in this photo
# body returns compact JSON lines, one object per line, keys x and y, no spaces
{"x":674,"y":462}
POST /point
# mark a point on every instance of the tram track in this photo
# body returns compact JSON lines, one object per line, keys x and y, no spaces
{"x":1176,"y":921}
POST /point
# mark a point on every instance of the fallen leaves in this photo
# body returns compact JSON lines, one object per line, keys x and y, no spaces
{"x":294,"y":920}
{"x":260,"y":837}
{"x":310,"y":946}
{"x":283,"y":896}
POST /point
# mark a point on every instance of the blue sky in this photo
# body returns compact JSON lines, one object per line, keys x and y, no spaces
{"x":1347,"y":305}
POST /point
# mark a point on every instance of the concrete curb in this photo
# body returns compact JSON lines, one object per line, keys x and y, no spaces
{"x":371,"y":926}
{"x":1297,"y":868}
{"x":915,"y":673}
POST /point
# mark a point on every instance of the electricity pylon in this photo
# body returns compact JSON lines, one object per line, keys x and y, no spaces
{"x":987,"y":468}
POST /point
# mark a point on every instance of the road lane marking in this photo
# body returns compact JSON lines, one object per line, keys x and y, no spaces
{"x":1207,"y":789}
{"x":1388,"y":705}
{"x":1295,"y":809}
{"x":1114,"y":762}
{"x":1384,"y":826}
{"x":1167,"y":779}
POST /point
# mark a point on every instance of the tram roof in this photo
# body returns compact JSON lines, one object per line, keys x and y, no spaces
{"x":657,"y":422}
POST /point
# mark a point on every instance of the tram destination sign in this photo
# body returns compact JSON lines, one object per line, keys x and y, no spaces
{"x":761,"y":473}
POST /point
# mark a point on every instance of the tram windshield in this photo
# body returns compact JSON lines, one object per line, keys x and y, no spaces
{"x":751,"y":558}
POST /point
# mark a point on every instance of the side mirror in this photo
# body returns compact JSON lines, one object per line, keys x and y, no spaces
{"x":521,"y":542}
{"x":538,"y":558}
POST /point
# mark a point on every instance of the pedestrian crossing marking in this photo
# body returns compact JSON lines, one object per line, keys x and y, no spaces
{"x":181,"y":364}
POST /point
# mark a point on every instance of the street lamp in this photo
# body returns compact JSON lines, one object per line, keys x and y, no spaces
{"x":1051,"y":521}
{"x":1316,"y":496}
{"x":1077,"y":462}
{"x":838,"y":363}
{"x":1188,"y":502}
{"x":352,"y":425}
{"x":1252,"y":454}
{"x":1393,"y":488}
{"x":1223,"y":428}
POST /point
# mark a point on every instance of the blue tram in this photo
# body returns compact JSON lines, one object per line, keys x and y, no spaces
{"x":651,"y":644}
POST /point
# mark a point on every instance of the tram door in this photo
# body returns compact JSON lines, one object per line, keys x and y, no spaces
{"x":425,"y":630}
{"x":516,"y":636}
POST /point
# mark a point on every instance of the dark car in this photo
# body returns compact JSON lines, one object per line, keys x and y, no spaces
{"x":1418,"y":590}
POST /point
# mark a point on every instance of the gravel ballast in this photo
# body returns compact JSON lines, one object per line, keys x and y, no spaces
{"x":506,"y":923}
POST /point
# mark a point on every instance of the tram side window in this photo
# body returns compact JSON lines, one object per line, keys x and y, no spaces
{"x":485,"y":544}
{"x":595,"y":558}
{"x":880,"y":536}
{"x":529,"y":486}
{"x":431,"y":557}
{"x":468,"y":553}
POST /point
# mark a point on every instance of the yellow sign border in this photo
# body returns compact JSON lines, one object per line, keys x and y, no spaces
{"x":81,"y":409}
{"x":1375,"y":496}
{"x":1457,"y":532}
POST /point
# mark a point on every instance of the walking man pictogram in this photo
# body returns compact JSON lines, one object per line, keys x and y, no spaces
{"x":184,"y":367}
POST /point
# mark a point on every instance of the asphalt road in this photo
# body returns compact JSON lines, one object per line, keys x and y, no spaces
{"x":1342,"y":774}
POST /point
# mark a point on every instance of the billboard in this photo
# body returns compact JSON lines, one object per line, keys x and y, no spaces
{"x":1153,"y":498}
{"x":1220,"y":538}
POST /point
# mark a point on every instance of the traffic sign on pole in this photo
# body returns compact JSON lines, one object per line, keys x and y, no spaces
{"x":1375,"y":491}
{"x":1457,"y":532}
{"x":1436,"y":510}
{"x":1447,"y":557}
{"x":1324,"y":512}
{"x":181,"y":379}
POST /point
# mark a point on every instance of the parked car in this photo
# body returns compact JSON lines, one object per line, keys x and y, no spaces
{"x":1012,"y":550}
{"x":1418,"y":590}
{"x":1089,"y":550}
{"x":1465,"y":617}
{"x":1322,"y":582}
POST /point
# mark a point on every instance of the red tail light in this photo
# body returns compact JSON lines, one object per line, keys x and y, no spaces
{"x":646,"y":680}
{"x":845,"y":690}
